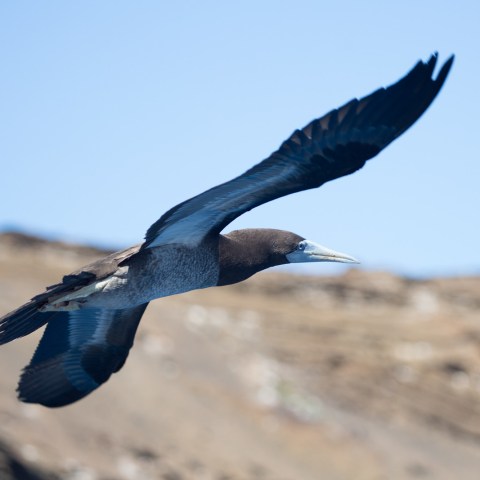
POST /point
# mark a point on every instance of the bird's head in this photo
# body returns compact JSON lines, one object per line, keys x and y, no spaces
{"x":243,"y":253}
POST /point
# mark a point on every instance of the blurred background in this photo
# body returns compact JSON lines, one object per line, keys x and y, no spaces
{"x":113,"y":112}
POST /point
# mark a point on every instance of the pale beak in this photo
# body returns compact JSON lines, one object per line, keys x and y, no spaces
{"x":313,"y":252}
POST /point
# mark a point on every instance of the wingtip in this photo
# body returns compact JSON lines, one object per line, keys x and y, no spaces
{"x":450,"y":60}
{"x":444,"y":71}
{"x":429,"y":66}
{"x":434,"y":58}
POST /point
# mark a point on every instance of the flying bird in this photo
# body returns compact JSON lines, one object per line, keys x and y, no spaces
{"x":93,"y":314}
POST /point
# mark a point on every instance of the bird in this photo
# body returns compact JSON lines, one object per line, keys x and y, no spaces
{"x":92,"y":315}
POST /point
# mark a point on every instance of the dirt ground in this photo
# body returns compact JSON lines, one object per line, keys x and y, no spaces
{"x":365,"y":376}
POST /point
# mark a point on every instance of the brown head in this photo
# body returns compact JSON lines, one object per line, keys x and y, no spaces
{"x":242,"y":253}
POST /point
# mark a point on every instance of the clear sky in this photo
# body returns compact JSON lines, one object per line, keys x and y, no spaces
{"x":114,"y":111}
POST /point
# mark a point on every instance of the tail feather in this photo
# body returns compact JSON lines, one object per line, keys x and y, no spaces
{"x":22,"y":321}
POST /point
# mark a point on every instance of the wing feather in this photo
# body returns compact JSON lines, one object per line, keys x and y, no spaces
{"x":79,"y":350}
{"x":337,"y":144}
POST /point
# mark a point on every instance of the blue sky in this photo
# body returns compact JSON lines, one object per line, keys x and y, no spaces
{"x":112,"y":112}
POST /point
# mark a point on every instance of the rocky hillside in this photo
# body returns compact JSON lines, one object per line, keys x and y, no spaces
{"x":366,"y":376}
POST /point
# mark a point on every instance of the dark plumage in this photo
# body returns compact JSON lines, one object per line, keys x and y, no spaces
{"x":93,"y":314}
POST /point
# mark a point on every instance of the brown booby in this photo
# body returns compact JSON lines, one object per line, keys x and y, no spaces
{"x":93,"y":314}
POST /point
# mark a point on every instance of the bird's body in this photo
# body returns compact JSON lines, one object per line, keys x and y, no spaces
{"x":144,"y":276}
{"x":93,"y":314}
{"x":137,"y":276}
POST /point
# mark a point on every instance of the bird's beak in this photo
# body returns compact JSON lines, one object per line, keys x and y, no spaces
{"x":313,"y":252}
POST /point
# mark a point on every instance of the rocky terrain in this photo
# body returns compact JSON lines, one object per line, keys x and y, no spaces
{"x":364,"y":376}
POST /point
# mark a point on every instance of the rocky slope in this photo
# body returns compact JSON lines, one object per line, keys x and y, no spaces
{"x":365,"y":376}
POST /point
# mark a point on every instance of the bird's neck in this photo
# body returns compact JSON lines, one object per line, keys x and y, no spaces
{"x":240,"y":258}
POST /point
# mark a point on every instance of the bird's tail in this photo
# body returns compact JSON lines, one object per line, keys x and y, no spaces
{"x":22,"y":321}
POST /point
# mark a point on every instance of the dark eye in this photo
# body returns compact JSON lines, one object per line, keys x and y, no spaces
{"x":301,"y":246}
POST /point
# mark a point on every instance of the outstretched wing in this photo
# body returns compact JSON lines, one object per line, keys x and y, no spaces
{"x":78,"y":352}
{"x":330,"y":147}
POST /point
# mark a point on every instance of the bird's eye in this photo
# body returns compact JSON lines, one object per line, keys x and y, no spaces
{"x":301,"y":246}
